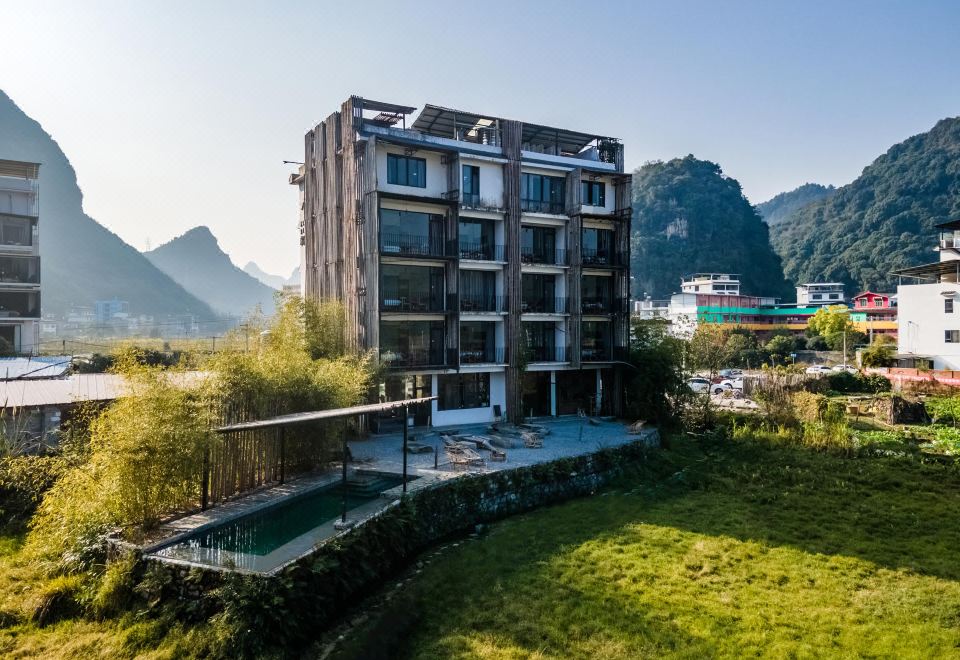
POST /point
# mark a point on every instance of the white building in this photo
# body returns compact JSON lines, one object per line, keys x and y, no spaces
{"x":929,"y":307}
{"x":820,"y":293}
{"x":721,"y":284}
{"x":19,"y":256}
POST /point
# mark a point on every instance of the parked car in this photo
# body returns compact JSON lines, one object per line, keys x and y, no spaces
{"x":845,"y":367}
{"x":730,"y":373}
{"x":819,"y":370}
{"x":699,"y":385}
{"x":732,"y":383}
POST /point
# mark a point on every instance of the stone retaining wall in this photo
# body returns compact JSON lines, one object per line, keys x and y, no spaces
{"x":347,"y":567}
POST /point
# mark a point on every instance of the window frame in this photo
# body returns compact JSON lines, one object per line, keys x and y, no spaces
{"x":393,"y":170}
{"x":593,"y":193}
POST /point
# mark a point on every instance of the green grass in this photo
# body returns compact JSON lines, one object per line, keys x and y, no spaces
{"x":751,"y":551}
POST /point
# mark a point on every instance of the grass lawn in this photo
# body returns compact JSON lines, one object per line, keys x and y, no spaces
{"x":749,"y":550}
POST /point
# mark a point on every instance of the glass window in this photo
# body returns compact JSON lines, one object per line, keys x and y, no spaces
{"x":16,"y":231}
{"x":597,"y":246}
{"x":593,"y":193}
{"x":952,"y":336}
{"x":411,"y":288}
{"x":412,"y":343}
{"x":406,"y":171}
{"x":411,"y":232}
{"x":948,"y":305}
{"x":471,"y":180}
{"x":463,"y":391}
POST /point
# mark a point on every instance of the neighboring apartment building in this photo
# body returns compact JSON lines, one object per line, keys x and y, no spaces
{"x":20,"y":256}
{"x":875,"y":314}
{"x":108,"y":311}
{"x":820,"y":294}
{"x":928,"y":308}
{"x":485,"y":259}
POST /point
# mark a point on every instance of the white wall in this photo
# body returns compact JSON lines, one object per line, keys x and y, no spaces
{"x":436,"y":173}
{"x":922,"y":322}
{"x":18,"y":196}
{"x":609,"y":197}
{"x":491,"y":181}
{"x":498,"y":396}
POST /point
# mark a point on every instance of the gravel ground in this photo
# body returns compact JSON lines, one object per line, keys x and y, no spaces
{"x":568,"y":437}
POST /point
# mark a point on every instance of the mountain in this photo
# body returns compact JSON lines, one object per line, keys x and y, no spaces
{"x":197,"y":263}
{"x":881,"y":221}
{"x":82,"y":261}
{"x":272,"y":281}
{"x":689,"y":217}
{"x":779,"y":208}
{"x":294,"y":276}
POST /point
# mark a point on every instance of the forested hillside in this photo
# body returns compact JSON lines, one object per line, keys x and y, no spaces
{"x":881,"y":221}
{"x":779,"y":208}
{"x":689,"y":217}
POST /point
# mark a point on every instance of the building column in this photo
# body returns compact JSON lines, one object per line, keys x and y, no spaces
{"x":599,"y":386}
{"x":553,"y":393}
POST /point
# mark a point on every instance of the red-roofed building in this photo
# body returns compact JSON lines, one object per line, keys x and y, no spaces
{"x":875,"y":313}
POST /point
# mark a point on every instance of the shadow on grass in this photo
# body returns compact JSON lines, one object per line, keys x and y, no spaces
{"x":516,"y":593}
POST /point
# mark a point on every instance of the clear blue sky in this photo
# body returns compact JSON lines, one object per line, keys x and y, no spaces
{"x":177,"y":114}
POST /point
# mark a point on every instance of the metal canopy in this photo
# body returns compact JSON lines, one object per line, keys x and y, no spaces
{"x":930,"y":271}
{"x":316,"y":415}
{"x":443,"y":122}
{"x":391,"y":108}
{"x":953,"y":224}
{"x":19,"y":169}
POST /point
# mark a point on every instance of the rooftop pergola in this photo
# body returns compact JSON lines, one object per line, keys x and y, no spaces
{"x":281,"y":422}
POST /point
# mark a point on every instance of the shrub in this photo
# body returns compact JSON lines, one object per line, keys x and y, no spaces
{"x":23,"y":481}
{"x":944,"y":410}
{"x":809,"y":407}
{"x":847,"y":382}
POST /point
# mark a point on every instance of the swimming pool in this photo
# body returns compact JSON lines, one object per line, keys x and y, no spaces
{"x":271,"y":536}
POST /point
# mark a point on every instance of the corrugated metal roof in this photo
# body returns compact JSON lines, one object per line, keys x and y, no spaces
{"x":47,"y":366}
{"x":75,"y":389}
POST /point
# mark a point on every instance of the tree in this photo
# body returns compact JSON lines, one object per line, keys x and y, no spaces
{"x":708,"y":348}
{"x":879,"y":353}
{"x":780,"y":347}
{"x":658,"y":385}
{"x":830,"y":320}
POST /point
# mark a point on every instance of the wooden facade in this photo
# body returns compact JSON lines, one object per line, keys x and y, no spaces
{"x":341,"y":205}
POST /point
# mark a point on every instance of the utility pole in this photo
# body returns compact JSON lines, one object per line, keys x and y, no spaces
{"x":844,"y":350}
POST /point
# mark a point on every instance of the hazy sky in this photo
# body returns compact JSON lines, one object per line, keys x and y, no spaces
{"x":180,"y":113}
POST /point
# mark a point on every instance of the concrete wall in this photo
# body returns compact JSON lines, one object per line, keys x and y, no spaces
{"x":923,"y":322}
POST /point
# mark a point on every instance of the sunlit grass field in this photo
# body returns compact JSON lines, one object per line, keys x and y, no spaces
{"x":746,"y":551}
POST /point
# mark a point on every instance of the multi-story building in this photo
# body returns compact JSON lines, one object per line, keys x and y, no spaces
{"x":484,"y":259}
{"x":110,"y":311}
{"x":820,"y":294}
{"x":928,"y":307}
{"x":875,"y":314}
{"x":19,"y":256}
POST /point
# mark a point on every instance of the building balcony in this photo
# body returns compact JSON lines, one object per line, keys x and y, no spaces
{"x":482,"y":251}
{"x":547,"y":353}
{"x":415,"y":245}
{"x":603,"y":353}
{"x":482,"y":303}
{"x":556,"y":257}
{"x":544,"y":305}
{"x":601,"y":305}
{"x":593,"y":258}
{"x":406,"y":303}
{"x":540,"y":206}
{"x":492,"y":355}
{"x":18,"y":271}
{"x":413,"y":358}
{"x":19,"y":304}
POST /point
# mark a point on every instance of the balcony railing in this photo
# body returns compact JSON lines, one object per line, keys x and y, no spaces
{"x":594,"y":257}
{"x":414,"y":245}
{"x":482,"y":303}
{"x":483,"y":356}
{"x":547,"y":353}
{"x":15,"y":304}
{"x":544,"y":305}
{"x":394,"y":302}
{"x":19,"y":270}
{"x":556,"y":257}
{"x":603,"y":353}
{"x":540,"y":206}
{"x":400,"y":358}
{"x":596,"y":305}
{"x":471,"y":199}
{"x":481,"y":251}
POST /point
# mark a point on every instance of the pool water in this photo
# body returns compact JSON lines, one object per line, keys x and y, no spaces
{"x":263,"y":532}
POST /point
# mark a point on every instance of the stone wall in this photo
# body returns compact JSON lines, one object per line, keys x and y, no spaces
{"x":348,"y":567}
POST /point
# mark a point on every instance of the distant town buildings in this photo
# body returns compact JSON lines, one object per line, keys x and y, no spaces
{"x":19,"y":257}
{"x":928,"y":306}
{"x":484,"y":259}
{"x":820,"y":294}
{"x":109,"y":311}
